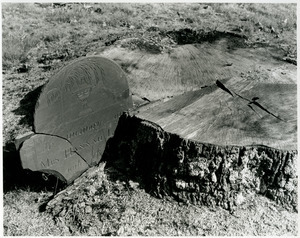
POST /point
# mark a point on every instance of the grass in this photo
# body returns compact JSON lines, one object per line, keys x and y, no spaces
{"x":39,"y":39}
{"x":21,"y":216}
{"x":27,"y":26}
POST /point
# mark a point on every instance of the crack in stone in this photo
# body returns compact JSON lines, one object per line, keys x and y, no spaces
{"x":40,"y":133}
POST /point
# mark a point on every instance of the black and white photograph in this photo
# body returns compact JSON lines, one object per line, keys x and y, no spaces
{"x":149,"y":118}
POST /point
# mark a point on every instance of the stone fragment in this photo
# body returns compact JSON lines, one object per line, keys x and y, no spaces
{"x":239,"y":198}
{"x":50,"y":154}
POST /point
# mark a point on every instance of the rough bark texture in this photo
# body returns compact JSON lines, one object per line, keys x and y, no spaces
{"x":203,"y":174}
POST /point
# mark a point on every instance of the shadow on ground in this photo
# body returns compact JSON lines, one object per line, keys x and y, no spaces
{"x":15,"y":177}
{"x":27,"y":107}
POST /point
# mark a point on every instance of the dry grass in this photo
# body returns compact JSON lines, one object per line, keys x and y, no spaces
{"x":21,"y":215}
{"x":127,"y":211}
{"x":38,"y":39}
{"x":29,"y":27}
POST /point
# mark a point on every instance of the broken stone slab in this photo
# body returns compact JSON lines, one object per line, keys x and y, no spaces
{"x":50,"y":154}
{"x":79,"y":107}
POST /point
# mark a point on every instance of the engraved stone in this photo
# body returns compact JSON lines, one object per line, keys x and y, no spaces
{"x":54,"y":155}
{"x":81,"y":106}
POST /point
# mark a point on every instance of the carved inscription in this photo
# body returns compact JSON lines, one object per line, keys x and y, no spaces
{"x":46,"y":153}
{"x":102,"y":136}
{"x":96,"y":152}
{"x":85,"y":129}
{"x":76,"y":81}
{"x":74,"y":167}
{"x":95,"y":126}
{"x":77,"y":112}
{"x":53,"y":96}
{"x":49,"y":162}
